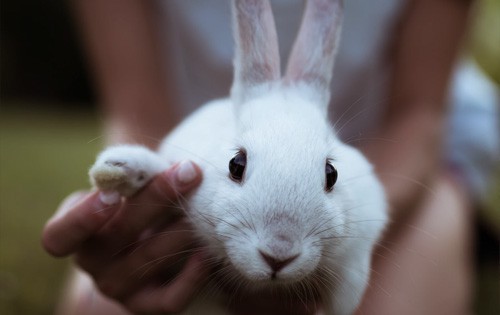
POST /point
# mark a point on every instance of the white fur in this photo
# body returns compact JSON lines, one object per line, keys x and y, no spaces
{"x":281,"y":207}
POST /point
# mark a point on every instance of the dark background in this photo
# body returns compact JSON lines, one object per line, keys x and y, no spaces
{"x":41,"y":59}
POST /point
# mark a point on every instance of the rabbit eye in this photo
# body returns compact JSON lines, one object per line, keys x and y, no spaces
{"x":237,"y":166}
{"x":331,"y":176}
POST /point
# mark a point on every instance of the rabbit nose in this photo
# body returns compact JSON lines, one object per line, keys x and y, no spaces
{"x":277,"y":264}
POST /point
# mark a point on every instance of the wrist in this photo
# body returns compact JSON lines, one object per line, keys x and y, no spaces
{"x":138,"y":130}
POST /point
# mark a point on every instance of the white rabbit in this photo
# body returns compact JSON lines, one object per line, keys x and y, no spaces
{"x":296,"y":208}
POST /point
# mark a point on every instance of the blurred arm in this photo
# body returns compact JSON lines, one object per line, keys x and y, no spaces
{"x":125,"y":55}
{"x":425,"y":51}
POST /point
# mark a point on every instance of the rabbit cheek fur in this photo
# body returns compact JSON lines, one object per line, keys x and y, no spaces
{"x":278,"y":227}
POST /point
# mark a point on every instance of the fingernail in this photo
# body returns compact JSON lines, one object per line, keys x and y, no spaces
{"x":186,"y":172}
{"x":109,"y":198}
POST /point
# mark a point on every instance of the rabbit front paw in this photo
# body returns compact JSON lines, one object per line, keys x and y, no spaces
{"x":125,"y":169}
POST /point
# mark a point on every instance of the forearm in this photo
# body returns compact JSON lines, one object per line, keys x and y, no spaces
{"x":128,"y":65}
{"x":406,"y":159}
{"x":426,"y":49}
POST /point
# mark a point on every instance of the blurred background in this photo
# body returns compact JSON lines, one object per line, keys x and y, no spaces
{"x":50,"y":131}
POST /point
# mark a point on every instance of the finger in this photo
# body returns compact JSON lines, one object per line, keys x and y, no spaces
{"x":68,"y":203}
{"x":175,"y":296}
{"x":78,"y":218}
{"x":160,"y":253}
{"x":152,"y":203}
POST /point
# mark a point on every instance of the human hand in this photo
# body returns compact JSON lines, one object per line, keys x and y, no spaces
{"x":136,"y":251}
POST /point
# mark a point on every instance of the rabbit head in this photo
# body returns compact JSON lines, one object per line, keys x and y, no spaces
{"x":297,"y":201}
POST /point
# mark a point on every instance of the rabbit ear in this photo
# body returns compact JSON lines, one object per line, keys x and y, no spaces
{"x":256,"y":59}
{"x":312,"y":57}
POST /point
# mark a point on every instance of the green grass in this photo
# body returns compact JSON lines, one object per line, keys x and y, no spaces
{"x":43,"y":157}
{"x":485,"y":37}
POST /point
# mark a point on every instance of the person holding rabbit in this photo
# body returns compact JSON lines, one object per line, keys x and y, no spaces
{"x":394,"y":109}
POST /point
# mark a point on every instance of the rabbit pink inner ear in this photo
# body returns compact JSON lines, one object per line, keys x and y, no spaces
{"x":312,"y":58}
{"x":256,"y":59}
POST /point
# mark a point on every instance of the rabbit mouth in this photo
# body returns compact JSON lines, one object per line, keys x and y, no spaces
{"x":307,"y":289}
{"x":272,"y":261}
{"x":270,"y":273}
